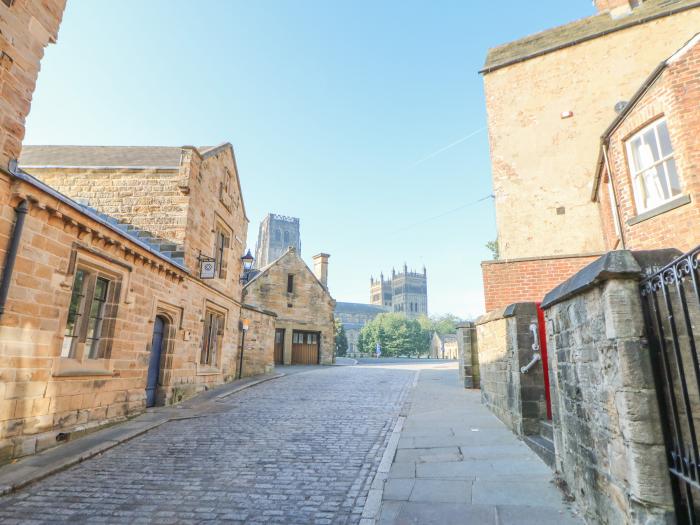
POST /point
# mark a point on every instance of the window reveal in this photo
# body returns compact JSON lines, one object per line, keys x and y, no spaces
{"x":212,"y":338}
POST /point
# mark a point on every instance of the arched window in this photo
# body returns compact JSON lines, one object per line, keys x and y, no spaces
{"x":278,"y":235}
{"x":286,"y":237}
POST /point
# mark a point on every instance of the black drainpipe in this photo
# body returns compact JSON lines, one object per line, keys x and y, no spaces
{"x":21,"y":212}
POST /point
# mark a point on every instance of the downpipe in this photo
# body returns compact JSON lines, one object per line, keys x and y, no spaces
{"x":536,"y":356}
{"x":21,"y":213}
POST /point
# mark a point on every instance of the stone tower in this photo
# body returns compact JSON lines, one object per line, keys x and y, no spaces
{"x":276,"y":234}
{"x":406,"y":292}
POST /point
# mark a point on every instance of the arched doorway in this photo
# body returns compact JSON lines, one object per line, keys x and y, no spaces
{"x":157,"y":345}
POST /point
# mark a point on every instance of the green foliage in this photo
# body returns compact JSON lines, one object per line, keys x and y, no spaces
{"x":495,"y":251}
{"x":396,"y":334}
{"x":341,"y":340}
{"x":442,"y":324}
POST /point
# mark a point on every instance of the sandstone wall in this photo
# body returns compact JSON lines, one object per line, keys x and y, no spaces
{"x":468,"y":355}
{"x":308,"y":308}
{"x":607,"y":431}
{"x":258,"y":352}
{"x":26,"y":28}
{"x":675,"y":96}
{"x":543,"y":165}
{"x":505,"y":345}
{"x":41,"y":393}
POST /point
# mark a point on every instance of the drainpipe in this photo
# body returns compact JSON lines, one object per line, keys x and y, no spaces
{"x":614,"y":192}
{"x":21,"y":213}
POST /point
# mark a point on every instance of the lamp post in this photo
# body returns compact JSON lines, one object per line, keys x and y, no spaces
{"x":247,"y":260}
{"x":244,"y":329}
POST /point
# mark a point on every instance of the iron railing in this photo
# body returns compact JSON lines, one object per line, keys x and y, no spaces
{"x":671,"y":304}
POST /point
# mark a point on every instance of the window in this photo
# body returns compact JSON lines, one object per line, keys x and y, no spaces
{"x":286,"y":238}
{"x":91,"y":315}
{"x":278,"y":235}
{"x":290,"y":283}
{"x":652,"y":166}
{"x":212,"y":338}
{"x":223,"y":241}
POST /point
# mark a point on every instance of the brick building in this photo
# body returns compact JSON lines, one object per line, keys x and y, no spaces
{"x":548,"y":97}
{"x":305,"y":326}
{"x":646,"y":184}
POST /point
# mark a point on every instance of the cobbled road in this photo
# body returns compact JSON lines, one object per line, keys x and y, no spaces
{"x":300,"y":449}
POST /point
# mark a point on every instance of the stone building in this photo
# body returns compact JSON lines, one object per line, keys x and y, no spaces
{"x":405,"y":292}
{"x":275,"y":235}
{"x":299,"y":297}
{"x":103,"y":317}
{"x":646,"y":184}
{"x":444,"y":346}
{"x":354,"y":316}
{"x":26,"y":28}
{"x":548,"y":97}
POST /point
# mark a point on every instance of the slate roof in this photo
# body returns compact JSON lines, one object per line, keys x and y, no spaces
{"x":100,"y":156}
{"x":358,"y":308}
{"x":580,"y":31}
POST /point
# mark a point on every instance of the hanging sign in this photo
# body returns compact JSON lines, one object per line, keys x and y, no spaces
{"x":207,"y":268}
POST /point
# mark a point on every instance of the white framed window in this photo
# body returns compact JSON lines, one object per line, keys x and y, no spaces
{"x":653,"y":169}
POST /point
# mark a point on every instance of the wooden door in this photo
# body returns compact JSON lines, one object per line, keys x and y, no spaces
{"x":279,"y":346}
{"x":305,"y":346}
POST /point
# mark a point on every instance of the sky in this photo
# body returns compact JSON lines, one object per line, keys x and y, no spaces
{"x":365,"y":119}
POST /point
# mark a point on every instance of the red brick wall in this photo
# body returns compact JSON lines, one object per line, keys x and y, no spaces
{"x":507,"y":282}
{"x":675,"y":96}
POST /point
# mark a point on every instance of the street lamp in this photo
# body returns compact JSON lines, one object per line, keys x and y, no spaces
{"x":247,"y":261}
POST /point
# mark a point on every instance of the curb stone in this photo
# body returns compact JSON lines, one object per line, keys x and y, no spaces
{"x":373,"y":504}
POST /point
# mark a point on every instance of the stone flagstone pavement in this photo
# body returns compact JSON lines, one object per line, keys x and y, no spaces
{"x":456,"y":463}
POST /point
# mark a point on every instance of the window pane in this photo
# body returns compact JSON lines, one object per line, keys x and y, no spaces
{"x":674,"y":181}
{"x":635,"y":144}
{"x":97,"y":308}
{"x":664,"y":139}
{"x":74,"y":314}
{"x":649,"y":150}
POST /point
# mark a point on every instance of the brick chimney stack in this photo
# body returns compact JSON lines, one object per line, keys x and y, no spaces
{"x":616,"y":7}
{"x":321,"y":267}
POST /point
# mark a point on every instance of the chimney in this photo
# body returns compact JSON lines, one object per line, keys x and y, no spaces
{"x":321,"y":267}
{"x":616,"y":8}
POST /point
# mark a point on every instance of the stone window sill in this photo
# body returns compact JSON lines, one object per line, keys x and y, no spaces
{"x":205,"y":370}
{"x":682,"y":200}
{"x":67,"y":367}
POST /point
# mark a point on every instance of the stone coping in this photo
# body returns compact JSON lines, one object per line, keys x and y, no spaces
{"x":259,"y":310}
{"x":619,"y":264}
{"x":509,"y":311}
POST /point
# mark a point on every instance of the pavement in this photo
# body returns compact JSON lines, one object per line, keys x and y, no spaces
{"x":454,"y":462}
{"x":384,"y":441}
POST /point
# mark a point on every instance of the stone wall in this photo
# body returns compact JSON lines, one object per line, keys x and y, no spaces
{"x":607,"y":431}
{"x":258,"y":352}
{"x":512,"y":281}
{"x":26,"y":28}
{"x":308,"y":308}
{"x":42,"y":393}
{"x":537,"y":153}
{"x":674,"y":96}
{"x":468,"y":355}
{"x":505,"y":345}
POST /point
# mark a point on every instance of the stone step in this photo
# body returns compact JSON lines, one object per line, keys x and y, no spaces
{"x":547,"y":430}
{"x":543,"y":447}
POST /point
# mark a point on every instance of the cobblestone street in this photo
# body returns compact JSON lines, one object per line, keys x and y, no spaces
{"x":300,"y":449}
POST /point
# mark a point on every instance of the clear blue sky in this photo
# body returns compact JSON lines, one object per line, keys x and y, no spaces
{"x":335,"y":109}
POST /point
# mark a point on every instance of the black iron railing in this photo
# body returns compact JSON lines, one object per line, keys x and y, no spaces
{"x":671,"y":304}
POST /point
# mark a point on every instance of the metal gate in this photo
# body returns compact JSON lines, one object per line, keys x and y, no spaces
{"x":671,"y":301}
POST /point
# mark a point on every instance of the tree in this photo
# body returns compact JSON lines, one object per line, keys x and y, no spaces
{"x":396,"y":334}
{"x":495,"y":251}
{"x":442,"y":324}
{"x":341,"y":340}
